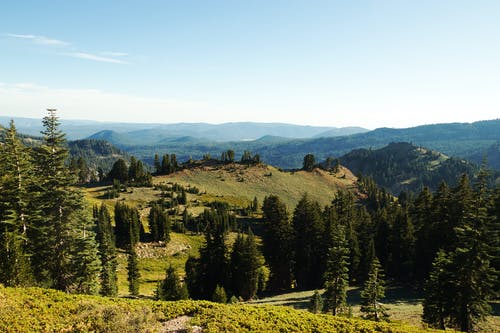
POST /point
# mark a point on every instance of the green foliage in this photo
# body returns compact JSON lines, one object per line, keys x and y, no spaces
{"x":337,"y":273}
{"x":316,"y":303}
{"x":63,"y":230}
{"x":465,"y":266}
{"x":171,"y":288}
{"x":245,"y":267}
{"x":16,"y":209}
{"x":309,"y":162}
{"x":127,"y":225}
{"x":278,"y":243}
{"x":219,"y":295}
{"x":43,"y":310}
{"x":373,"y":291}
{"x":107,"y":251}
{"x":133,"y":273}
{"x":309,"y":230}
{"x":159,"y":224}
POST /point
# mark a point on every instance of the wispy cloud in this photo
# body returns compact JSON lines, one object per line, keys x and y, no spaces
{"x":40,"y":39}
{"x":114,"y":54}
{"x":94,"y":57}
{"x":108,"y":56}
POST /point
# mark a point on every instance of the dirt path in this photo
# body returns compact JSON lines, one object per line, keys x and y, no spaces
{"x":181,"y":325}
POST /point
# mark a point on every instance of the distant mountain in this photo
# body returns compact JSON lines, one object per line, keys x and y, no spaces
{"x":341,"y":132}
{"x":464,"y":140}
{"x":152,"y":133}
{"x":403,"y":166}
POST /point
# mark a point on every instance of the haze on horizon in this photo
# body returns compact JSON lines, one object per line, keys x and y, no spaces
{"x":324,"y":63}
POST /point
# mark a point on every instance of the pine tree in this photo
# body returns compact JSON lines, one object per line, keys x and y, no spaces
{"x":245,"y":265}
{"x":63,"y":228}
{"x":107,"y":251}
{"x":337,"y":273}
{"x":372,"y":292}
{"x":133,"y":274}
{"x":171,"y":288}
{"x":211,"y":269}
{"x":309,"y":232}
{"x":439,"y":290}
{"x":157,"y":164}
{"x":278,"y":243}
{"x":127,"y":225}
{"x":16,"y":209}
{"x":219,"y":295}
{"x":119,"y":171}
{"x":316,"y":303}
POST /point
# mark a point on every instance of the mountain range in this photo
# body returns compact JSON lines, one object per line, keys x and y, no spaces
{"x":147,"y":134}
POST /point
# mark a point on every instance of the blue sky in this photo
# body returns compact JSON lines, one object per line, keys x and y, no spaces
{"x":333,"y":63}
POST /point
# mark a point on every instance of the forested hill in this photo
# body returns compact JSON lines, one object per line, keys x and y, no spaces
{"x":464,"y":140}
{"x":403,"y":166}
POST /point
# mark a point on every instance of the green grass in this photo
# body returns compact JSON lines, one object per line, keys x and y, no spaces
{"x":239,"y":184}
{"x":154,"y":260}
{"x":404,"y":305}
{"x":44,"y":310}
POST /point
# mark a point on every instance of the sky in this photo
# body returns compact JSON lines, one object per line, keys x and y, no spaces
{"x":397,"y":63}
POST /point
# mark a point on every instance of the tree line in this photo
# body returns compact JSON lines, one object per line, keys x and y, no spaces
{"x":446,"y":242}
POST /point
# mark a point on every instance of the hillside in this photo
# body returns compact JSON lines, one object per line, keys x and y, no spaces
{"x":45,"y":310}
{"x":455,"y":139}
{"x":241,"y":183}
{"x":403,"y":166}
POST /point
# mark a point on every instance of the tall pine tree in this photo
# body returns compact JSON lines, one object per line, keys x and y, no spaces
{"x":64,"y":229}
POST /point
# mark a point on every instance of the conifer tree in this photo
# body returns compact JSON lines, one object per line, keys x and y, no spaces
{"x":211,"y":269}
{"x":16,"y":209}
{"x":219,"y":295}
{"x":245,"y":265}
{"x":337,"y":273}
{"x":316,"y":303}
{"x":278,"y":243}
{"x":439,"y":289}
{"x":63,"y":230}
{"x":372,"y":292}
{"x":309,"y":232}
{"x":171,"y":288}
{"x":107,"y":251}
{"x":133,"y":274}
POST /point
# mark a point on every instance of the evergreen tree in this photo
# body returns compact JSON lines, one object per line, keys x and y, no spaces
{"x":403,"y":246}
{"x":439,"y":290}
{"x":119,"y":171}
{"x":245,"y":265}
{"x":128,"y":225}
{"x":309,"y":162}
{"x":278,"y":243}
{"x":171,"y":288}
{"x":107,"y":251}
{"x":16,"y":209}
{"x":309,"y":232}
{"x":15,"y":269}
{"x":211,"y":269}
{"x":159,"y":224}
{"x":372,"y":292}
{"x":157,"y":164}
{"x":337,"y":273}
{"x":219,"y":295}
{"x":166,"y":167}
{"x":316,"y":303}
{"x":63,"y":228}
{"x":133,"y":273}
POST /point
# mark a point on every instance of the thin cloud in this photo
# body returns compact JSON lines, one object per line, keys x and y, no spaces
{"x":40,"y":39}
{"x":114,"y":54}
{"x":94,"y":57}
